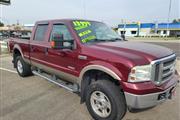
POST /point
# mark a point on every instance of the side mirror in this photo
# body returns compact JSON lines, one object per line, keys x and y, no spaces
{"x":58,"y":42}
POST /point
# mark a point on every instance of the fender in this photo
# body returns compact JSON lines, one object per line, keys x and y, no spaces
{"x":16,"y":46}
{"x":97,"y":65}
{"x":102,"y":66}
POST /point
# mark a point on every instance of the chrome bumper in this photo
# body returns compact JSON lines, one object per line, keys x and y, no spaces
{"x":148,"y":100}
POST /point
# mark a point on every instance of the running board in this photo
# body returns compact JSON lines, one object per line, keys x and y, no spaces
{"x":70,"y":87}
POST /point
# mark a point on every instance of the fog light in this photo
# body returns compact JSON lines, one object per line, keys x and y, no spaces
{"x":162,"y":96}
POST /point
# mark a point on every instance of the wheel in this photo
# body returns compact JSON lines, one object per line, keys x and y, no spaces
{"x":105,"y":101}
{"x":22,"y":68}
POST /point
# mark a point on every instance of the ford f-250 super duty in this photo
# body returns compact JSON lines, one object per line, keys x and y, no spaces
{"x":88,"y":58}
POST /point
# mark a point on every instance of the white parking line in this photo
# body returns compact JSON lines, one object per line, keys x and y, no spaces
{"x":12,"y":71}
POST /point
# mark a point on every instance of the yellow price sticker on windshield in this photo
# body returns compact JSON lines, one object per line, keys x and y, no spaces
{"x":88,"y":39}
{"x":84,"y":33}
{"x":81,"y":24}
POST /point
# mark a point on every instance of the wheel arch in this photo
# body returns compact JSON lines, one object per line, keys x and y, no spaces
{"x":100,"y":68}
{"x":89,"y":72}
{"x":17,"y":48}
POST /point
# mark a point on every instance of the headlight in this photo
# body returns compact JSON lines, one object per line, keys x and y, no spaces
{"x":140,"y":73}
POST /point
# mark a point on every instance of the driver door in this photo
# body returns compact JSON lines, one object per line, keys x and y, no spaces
{"x":63,"y":62}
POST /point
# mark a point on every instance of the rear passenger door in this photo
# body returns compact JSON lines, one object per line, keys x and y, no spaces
{"x":39,"y":44}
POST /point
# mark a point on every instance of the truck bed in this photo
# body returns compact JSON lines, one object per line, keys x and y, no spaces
{"x":23,"y":44}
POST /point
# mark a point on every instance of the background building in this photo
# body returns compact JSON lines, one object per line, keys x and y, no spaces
{"x":28,"y":26}
{"x":149,"y":29}
{"x":16,"y":30}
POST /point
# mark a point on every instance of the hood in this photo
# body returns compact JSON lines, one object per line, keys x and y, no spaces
{"x":134,"y":51}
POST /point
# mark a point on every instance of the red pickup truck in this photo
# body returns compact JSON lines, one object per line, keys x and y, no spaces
{"x":88,"y":58}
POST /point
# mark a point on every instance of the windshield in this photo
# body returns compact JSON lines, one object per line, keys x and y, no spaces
{"x":94,"y":32}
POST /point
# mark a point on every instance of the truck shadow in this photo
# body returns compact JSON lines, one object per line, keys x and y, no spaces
{"x":133,"y":110}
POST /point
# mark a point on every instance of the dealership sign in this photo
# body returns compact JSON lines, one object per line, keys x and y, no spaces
{"x":5,"y":2}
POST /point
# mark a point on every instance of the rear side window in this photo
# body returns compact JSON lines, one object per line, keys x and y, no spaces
{"x":40,"y":32}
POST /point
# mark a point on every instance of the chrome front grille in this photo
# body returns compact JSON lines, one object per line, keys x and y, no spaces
{"x":163,"y":69}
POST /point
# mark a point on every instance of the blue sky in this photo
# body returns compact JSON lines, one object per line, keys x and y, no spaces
{"x":109,"y":11}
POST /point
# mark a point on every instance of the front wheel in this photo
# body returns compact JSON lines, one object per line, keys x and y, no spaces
{"x":22,"y":68}
{"x":105,"y":101}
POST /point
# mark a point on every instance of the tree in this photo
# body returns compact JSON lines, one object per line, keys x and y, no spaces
{"x":176,"y":21}
{"x":1,"y":24}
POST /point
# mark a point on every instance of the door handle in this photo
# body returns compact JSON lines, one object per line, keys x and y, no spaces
{"x":46,"y":51}
{"x":61,"y":54}
{"x":31,"y":48}
{"x":56,"y":53}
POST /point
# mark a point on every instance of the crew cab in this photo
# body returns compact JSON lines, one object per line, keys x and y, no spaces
{"x":88,"y":58}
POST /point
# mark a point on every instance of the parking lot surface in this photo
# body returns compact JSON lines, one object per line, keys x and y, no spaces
{"x":175,"y":46}
{"x":172,"y":44}
{"x":33,"y":98}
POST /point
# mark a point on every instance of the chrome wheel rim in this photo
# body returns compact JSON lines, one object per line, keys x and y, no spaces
{"x":19,"y":66}
{"x":101,"y":104}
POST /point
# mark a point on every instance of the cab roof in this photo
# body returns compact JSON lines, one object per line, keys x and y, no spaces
{"x":61,"y":20}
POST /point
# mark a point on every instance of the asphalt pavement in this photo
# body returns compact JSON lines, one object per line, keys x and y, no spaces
{"x":175,"y":46}
{"x":171,"y":44}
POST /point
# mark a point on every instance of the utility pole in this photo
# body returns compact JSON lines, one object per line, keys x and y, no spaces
{"x":156,"y":27}
{"x":139,"y":27}
{"x":169,"y":12}
{"x":1,"y":13}
{"x":84,"y":8}
{"x":124,"y":26}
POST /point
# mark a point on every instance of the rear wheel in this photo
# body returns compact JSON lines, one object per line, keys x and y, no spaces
{"x":105,"y":101}
{"x":22,"y":68}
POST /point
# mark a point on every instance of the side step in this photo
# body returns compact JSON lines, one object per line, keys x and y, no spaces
{"x":68,"y":86}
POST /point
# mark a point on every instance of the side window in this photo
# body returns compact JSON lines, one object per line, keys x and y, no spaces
{"x":61,"y":29}
{"x":40,"y":32}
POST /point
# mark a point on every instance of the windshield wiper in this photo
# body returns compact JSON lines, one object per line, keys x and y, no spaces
{"x":97,"y":40}
{"x":115,"y":39}
{"x":104,"y":40}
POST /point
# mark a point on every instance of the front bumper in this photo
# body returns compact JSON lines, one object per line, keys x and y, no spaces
{"x":148,"y":100}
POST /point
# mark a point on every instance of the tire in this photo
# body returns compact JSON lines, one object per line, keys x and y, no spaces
{"x":22,"y":68}
{"x":113,"y":101}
